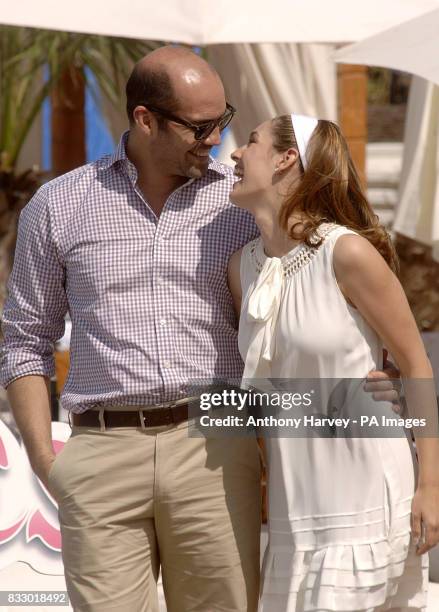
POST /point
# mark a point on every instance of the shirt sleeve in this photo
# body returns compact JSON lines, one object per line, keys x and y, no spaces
{"x":34,"y":312}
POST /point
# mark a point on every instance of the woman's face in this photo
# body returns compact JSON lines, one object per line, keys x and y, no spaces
{"x":255,"y":167}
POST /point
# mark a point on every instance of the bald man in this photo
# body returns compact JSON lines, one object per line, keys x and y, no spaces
{"x":135,"y":246}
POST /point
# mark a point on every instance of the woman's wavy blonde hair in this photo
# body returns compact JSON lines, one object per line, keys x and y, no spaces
{"x":329,"y":189}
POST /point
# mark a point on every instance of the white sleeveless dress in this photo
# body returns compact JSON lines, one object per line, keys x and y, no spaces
{"x":339,"y":508}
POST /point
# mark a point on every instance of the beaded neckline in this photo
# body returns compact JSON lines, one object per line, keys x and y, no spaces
{"x":296,"y":259}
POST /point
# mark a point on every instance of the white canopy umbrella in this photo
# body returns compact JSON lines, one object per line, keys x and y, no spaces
{"x":417,"y":215}
{"x":202,"y":22}
{"x":412,"y":46}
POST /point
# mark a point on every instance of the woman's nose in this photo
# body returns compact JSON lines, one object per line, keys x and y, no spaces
{"x":236,"y":154}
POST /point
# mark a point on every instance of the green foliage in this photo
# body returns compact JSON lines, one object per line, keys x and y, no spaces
{"x":379,"y":86}
{"x":24,"y":52}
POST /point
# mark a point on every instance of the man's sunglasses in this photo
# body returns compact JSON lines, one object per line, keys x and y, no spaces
{"x":201,"y":130}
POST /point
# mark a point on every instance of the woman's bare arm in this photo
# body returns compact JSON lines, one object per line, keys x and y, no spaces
{"x":367,"y":281}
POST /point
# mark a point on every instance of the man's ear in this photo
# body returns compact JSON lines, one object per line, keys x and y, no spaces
{"x":143,"y":118}
{"x":288,"y":159}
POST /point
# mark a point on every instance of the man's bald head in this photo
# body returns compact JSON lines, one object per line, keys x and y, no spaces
{"x":167,"y":75}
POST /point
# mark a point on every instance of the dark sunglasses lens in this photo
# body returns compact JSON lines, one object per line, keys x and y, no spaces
{"x":225,"y":120}
{"x":205,"y":131}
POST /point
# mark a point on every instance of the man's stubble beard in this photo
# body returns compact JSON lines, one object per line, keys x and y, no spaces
{"x":194,"y":171}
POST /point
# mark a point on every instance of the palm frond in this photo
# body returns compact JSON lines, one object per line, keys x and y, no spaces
{"x":24,"y":54}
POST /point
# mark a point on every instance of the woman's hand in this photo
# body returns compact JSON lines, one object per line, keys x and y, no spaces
{"x":425,"y":517}
{"x":385,"y":384}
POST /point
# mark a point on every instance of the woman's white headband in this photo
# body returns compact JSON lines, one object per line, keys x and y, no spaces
{"x":303,"y":128}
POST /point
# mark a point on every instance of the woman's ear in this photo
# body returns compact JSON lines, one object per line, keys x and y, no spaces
{"x":288,"y":159}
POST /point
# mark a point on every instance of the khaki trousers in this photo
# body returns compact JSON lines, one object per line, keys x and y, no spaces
{"x":132,"y":500}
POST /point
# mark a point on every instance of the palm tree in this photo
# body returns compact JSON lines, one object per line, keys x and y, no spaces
{"x":25,"y":54}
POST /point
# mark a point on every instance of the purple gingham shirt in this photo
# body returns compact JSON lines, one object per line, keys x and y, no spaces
{"x":148,"y":297}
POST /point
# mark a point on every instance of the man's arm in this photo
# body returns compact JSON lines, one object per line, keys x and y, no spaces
{"x":385,"y":384}
{"x":234,"y":280}
{"x":29,"y":398}
{"x":33,"y":319}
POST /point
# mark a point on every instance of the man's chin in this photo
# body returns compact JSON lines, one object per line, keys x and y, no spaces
{"x":198,"y":170}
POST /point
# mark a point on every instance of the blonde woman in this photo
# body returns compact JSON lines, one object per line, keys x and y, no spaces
{"x":349,"y":521}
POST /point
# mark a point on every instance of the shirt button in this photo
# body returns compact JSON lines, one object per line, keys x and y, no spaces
{"x":166,"y":364}
{"x":162,"y":322}
{"x":160,"y":281}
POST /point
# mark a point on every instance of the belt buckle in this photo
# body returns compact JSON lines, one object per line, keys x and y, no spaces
{"x":169,"y":415}
{"x":165,"y":409}
{"x":170,"y":418}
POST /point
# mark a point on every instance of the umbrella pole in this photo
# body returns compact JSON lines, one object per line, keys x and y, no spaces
{"x":352,"y":112}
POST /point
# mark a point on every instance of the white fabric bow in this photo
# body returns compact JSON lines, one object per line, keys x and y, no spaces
{"x":264,"y":302}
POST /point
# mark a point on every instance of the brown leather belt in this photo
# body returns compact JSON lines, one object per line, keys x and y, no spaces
{"x":152,"y":417}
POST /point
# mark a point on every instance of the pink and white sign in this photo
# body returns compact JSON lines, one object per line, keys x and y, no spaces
{"x":29,"y":527}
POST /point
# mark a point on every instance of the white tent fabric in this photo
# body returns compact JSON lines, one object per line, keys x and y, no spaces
{"x":412,"y":46}
{"x":266,"y":80}
{"x":417,"y":215}
{"x":202,"y":22}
